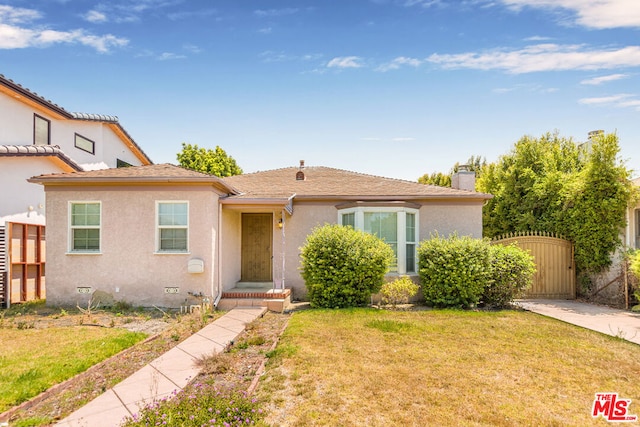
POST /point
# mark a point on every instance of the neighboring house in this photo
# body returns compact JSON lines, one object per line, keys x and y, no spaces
{"x":160,"y":234}
{"x":632,"y":233}
{"x":39,"y":137}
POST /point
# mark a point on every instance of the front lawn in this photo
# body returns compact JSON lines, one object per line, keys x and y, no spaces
{"x":445,"y":368}
{"x":32,"y":360}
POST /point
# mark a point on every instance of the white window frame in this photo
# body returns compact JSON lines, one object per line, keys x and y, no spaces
{"x":401,"y":217}
{"x":72,"y":228}
{"x":159,"y":227}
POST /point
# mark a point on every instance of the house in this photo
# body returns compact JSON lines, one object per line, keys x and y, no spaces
{"x":165,"y":236}
{"x":40,"y":137}
{"x":632,"y":233}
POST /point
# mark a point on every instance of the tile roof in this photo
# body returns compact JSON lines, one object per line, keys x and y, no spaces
{"x":328,"y":183}
{"x":38,"y":151}
{"x":162,"y":173}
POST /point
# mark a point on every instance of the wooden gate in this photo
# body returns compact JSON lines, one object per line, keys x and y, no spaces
{"x":555,"y":276}
{"x":26,"y":262}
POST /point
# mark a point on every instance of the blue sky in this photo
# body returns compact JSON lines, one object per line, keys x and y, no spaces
{"x":395,"y":88}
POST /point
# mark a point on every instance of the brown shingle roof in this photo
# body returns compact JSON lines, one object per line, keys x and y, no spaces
{"x":328,"y":183}
{"x":163,"y":173}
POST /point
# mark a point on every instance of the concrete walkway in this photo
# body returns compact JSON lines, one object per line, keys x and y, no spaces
{"x":164,"y":376}
{"x":618,"y":323}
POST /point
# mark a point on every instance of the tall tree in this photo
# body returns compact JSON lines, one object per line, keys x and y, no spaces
{"x":214,"y":162}
{"x":554,"y":184}
{"x":475,"y":163}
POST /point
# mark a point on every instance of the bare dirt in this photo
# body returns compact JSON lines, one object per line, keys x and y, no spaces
{"x":236,"y":368}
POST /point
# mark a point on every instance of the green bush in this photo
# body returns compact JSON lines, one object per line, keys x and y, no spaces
{"x":342,"y":267}
{"x":512,"y":271}
{"x":454,"y":271}
{"x":634,"y":263}
{"x":399,"y":291}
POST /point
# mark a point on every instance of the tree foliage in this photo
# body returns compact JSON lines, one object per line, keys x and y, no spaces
{"x":553,"y":184}
{"x":475,"y":164}
{"x":214,"y":162}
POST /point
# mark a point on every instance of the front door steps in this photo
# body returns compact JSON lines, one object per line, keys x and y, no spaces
{"x":255,"y":294}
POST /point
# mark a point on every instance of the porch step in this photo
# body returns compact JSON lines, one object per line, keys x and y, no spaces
{"x":255,"y":285}
{"x":275,"y":300}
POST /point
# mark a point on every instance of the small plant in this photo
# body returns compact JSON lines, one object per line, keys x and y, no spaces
{"x":200,"y":405}
{"x":92,"y":308}
{"x":399,"y":291}
{"x":216,"y":363}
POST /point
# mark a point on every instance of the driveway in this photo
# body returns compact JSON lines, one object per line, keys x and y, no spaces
{"x":618,"y":323}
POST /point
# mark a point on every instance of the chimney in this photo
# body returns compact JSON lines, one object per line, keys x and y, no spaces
{"x":464,"y":179}
{"x":300,"y":174}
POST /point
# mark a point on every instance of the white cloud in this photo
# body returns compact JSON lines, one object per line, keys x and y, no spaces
{"x":345,"y":62}
{"x":613,"y":99}
{"x":622,"y":100}
{"x":270,"y":13}
{"x":597,"y":14}
{"x":17,"y":33}
{"x":167,"y":56}
{"x":542,"y":57}
{"x":95,"y":17}
{"x":603,"y":79}
{"x":399,"y":62}
{"x":17,"y":15}
{"x":192,"y":48}
{"x":402,"y":139}
{"x":266,"y":30}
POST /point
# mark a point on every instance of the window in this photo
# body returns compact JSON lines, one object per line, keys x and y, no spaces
{"x":397,"y":226}
{"x":85,"y":226}
{"x":122,"y":164}
{"x":84,"y":144}
{"x":41,"y":130}
{"x":173,"y":226}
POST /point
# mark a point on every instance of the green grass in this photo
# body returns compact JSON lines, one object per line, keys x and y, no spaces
{"x":443,"y":367}
{"x":32,"y":360}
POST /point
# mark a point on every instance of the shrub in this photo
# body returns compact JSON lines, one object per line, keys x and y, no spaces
{"x":342,"y":267}
{"x":512,"y":272}
{"x":399,"y":291}
{"x":454,"y":271}
{"x":634,"y":263}
{"x":200,"y":405}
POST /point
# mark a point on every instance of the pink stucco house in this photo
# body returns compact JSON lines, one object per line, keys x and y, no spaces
{"x":162,"y":235}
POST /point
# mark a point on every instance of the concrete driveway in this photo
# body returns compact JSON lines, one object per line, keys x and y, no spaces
{"x":618,"y":323}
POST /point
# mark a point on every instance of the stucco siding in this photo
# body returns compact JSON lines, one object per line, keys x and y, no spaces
{"x":465,"y":219}
{"x":22,"y":201}
{"x":128,"y":266}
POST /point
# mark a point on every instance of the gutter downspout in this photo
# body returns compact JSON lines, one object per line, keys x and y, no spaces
{"x":218,"y":255}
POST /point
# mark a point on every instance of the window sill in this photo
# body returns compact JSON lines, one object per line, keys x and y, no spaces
{"x":83,"y":253}
{"x":171,"y":253}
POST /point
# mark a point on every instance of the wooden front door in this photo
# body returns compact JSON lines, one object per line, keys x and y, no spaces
{"x":257,"y":239}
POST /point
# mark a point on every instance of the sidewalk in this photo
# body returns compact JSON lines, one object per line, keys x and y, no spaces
{"x":168,"y":373}
{"x":618,"y":323}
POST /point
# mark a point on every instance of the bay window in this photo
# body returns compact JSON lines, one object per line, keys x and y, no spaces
{"x":397,"y":226}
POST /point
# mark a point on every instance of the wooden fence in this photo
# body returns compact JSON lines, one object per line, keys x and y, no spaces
{"x":26,"y":262}
{"x":4,"y":296}
{"x":555,"y":276}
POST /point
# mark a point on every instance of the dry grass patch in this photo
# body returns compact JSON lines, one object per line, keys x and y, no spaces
{"x":446,"y":368}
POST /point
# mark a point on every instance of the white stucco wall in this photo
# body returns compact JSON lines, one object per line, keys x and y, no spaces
{"x":128,"y":267}
{"x":16,"y":128}
{"x":22,"y":201}
{"x":446,"y":218}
